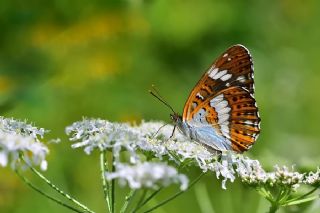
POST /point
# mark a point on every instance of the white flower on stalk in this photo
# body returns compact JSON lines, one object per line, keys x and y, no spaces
{"x":10,"y":125}
{"x":147,"y":175}
{"x":148,"y":136}
{"x":19,"y":138}
{"x":102,"y":135}
{"x":289,"y":178}
{"x":313,"y":178}
{"x":154,"y":138}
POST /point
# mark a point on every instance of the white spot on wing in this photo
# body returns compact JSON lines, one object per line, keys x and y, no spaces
{"x":225,"y":129}
{"x":216,"y":100}
{"x":219,"y":74}
{"x":226,"y":77}
{"x":200,"y":96}
{"x":222,"y":108}
{"x":221,"y":105}
{"x":212,"y":71}
{"x":248,"y":122}
{"x":224,"y":117}
{"x":225,"y":55}
{"x":241,"y":78}
{"x":225,"y":110}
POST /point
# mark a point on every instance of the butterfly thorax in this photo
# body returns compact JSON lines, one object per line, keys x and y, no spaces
{"x":182,"y":126}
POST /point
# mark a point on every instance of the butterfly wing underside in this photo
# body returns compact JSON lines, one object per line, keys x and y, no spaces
{"x":225,"y":94}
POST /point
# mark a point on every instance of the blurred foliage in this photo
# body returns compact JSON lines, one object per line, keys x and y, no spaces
{"x":62,"y":60}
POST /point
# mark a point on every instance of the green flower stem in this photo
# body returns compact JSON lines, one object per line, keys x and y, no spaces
{"x":273,"y":208}
{"x":112,"y":194}
{"x":41,"y":176}
{"x":46,"y":195}
{"x":302,"y":196}
{"x":144,"y":193}
{"x":105,"y":183}
{"x":128,"y":201}
{"x":276,"y":199}
{"x":266,"y":194}
{"x":284,"y":196}
{"x":175,"y":195}
{"x":147,"y":200}
{"x":203,"y":198}
{"x":301,"y":201}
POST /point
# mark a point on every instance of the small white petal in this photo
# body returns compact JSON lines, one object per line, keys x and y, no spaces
{"x":3,"y":159}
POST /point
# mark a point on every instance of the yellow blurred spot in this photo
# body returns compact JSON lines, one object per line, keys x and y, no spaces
{"x":5,"y":84}
{"x":100,"y":66}
{"x":130,"y":117}
{"x":88,"y":50}
{"x":99,"y":27}
{"x":300,"y":11}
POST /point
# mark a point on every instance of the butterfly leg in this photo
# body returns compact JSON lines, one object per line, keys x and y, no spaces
{"x":174,"y":128}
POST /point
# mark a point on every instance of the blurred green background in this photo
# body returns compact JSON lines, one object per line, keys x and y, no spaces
{"x":62,"y":60}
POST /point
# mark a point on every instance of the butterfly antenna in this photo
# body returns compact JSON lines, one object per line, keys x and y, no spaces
{"x":157,"y":91}
{"x":156,"y":94}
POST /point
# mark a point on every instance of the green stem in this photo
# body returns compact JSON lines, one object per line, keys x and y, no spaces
{"x":203,"y":198}
{"x":285,"y":195}
{"x":41,"y":176}
{"x":273,"y":208}
{"x":266,"y":194}
{"x":296,"y":202}
{"x":127,"y":201}
{"x":112,"y":198}
{"x":175,"y":195}
{"x":147,"y":200}
{"x":144,"y":193}
{"x":45,"y":194}
{"x":302,"y":196}
{"x":105,"y":184}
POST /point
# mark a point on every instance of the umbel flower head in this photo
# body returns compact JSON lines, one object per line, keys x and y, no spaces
{"x":148,"y":175}
{"x":17,"y":139}
{"x":149,"y":137}
{"x":153,"y":139}
{"x":313,"y":178}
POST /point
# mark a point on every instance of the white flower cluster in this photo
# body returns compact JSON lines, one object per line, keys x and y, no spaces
{"x":148,"y":136}
{"x":147,"y":175}
{"x":154,"y":138}
{"x":19,"y":138}
{"x":284,"y":176}
{"x":103,"y":135}
{"x":251,"y":172}
{"x":313,"y":178}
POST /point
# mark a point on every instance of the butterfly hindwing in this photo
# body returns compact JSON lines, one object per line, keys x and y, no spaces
{"x":233,"y":68}
{"x":232,"y":115}
{"x":244,"y":123}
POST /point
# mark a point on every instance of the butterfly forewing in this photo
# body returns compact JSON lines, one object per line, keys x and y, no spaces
{"x":223,"y":99}
{"x":233,"y":68}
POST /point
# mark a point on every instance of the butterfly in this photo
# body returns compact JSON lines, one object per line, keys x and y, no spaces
{"x":221,"y":112}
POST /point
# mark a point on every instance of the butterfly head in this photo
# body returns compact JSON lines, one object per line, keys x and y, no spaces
{"x":176,"y":118}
